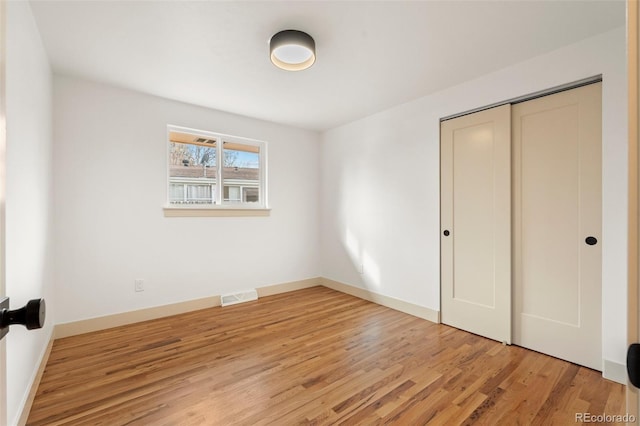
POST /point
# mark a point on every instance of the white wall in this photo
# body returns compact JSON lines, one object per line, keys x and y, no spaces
{"x":29,"y":211}
{"x":380,"y":184}
{"x":110,"y":180}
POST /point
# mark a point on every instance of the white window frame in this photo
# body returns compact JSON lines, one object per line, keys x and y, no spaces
{"x":219,"y":207}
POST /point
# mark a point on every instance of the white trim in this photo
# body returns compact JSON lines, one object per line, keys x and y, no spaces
{"x":270,"y":290}
{"x":614,"y":371}
{"x":27,"y":402}
{"x":218,"y":202}
{"x":224,"y":211}
{"x":380,"y":299}
{"x":115,"y":320}
{"x":211,"y":135}
{"x":124,"y":318}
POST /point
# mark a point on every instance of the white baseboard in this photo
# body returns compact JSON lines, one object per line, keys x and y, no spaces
{"x":115,"y":320}
{"x":109,"y":321}
{"x":389,"y":302}
{"x":270,"y":290}
{"x":124,"y":318}
{"x":614,"y":371}
{"x":35,"y":382}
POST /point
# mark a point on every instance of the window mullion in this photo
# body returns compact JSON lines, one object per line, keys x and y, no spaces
{"x":220,"y":187}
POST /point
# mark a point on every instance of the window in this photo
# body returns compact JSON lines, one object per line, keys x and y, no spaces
{"x":209,"y":170}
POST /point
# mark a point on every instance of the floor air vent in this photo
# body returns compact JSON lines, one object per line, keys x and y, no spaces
{"x":239,"y":297}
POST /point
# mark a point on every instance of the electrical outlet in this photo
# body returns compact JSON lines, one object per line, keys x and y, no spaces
{"x":139,"y":285}
{"x":361,"y":268}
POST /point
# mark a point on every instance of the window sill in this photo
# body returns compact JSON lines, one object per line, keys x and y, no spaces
{"x":215,"y":212}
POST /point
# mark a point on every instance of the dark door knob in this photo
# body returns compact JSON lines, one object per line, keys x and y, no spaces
{"x":592,"y":241}
{"x":31,"y":315}
{"x":446,"y":232}
{"x":633,"y":364}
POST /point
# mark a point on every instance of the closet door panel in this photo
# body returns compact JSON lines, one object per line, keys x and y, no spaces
{"x":557,"y":225}
{"x":475,"y":218}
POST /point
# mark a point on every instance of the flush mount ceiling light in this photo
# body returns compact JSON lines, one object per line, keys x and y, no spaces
{"x":292,"y":50}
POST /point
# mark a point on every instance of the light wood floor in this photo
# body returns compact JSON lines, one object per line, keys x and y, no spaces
{"x":314,"y":356}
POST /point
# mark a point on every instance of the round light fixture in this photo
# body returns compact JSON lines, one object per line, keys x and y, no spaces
{"x":292,"y":50}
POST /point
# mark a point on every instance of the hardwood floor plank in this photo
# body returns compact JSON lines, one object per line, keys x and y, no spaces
{"x":313,"y":356}
{"x":558,"y":392}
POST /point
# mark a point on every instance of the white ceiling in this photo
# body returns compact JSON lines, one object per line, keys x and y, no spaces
{"x":371,"y":55}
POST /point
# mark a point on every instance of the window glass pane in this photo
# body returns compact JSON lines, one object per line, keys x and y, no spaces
{"x":176,"y":193}
{"x":199,"y":194}
{"x":232,"y":193}
{"x":192,"y":172}
{"x":250,"y":195}
{"x":241,"y":172}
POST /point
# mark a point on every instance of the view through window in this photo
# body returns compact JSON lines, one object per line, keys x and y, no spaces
{"x":216,"y":170}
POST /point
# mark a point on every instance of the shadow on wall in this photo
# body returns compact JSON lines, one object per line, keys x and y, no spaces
{"x":362,"y":261}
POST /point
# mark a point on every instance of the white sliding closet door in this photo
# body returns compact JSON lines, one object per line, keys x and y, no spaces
{"x":476,"y":223}
{"x":557,"y":225}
